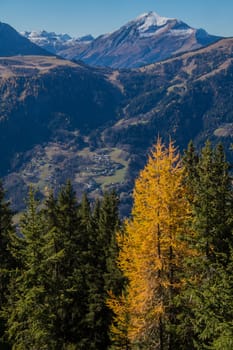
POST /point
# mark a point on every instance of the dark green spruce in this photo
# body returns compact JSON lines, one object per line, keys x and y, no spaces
{"x":65,"y":253}
{"x":103,"y":274}
{"x":66,"y":265}
{"x":205,"y":321}
{"x":7,"y":260}
{"x":27,"y":309}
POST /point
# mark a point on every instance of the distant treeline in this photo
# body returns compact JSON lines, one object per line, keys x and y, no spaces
{"x":74,"y":276}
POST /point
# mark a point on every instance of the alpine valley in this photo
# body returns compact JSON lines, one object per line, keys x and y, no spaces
{"x":64,"y":119}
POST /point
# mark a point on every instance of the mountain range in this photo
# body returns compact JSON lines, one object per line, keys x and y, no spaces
{"x":61,"y":119}
{"x":56,"y":43}
{"x":148,"y":38}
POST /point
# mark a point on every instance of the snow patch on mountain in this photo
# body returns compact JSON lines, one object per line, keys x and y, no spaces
{"x":182,"y":32}
{"x":44,"y":35}
{"x":152,"y":25}
{"x":55,"y":43}
{"x":154,"y":33}
{"x":151,"y":19}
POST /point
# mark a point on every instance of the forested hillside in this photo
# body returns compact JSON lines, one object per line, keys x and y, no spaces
{"x":60,"y":119}
{"x":74,"y":277}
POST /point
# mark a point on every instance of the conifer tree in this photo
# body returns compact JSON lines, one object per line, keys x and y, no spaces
{"x":103,"y":273}
{"x":48,"y":304}
{"x":7,"y":260}
{"x":213,"y":202}
{"x":26,"y":307}
{"x":212,"y":208}
{"x":66,"y":264}
{"x":152,"y":250}
{"x":190,"y":161}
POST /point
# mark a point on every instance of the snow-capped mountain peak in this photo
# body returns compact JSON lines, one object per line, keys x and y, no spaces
{"x":146,"y":39}
{"x":151,"y":19}
{"x":44,"y":35}
{"x":54,"y":42}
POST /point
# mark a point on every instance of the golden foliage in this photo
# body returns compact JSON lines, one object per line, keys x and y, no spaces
{"x":153,"y":247}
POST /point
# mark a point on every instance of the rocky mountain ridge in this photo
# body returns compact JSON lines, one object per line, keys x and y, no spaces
{"x":12,"y":43}
{"x":55,"y":43}
{"x":148,"y":38}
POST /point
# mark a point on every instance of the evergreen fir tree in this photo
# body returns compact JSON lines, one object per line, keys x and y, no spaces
{"x":212,"y":202}
{"x":66,"y":263}
{"x":48,"y":304}
{"x":212,"y":207}
{"x":26,"y":307}
{"x":7,"y":260}
{"x":190,"y":161}
{"x":103,"y":274}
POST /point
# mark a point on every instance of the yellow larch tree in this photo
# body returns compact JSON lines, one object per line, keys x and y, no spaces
{"x":152,"y":250}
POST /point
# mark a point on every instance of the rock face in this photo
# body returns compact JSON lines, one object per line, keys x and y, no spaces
{"x":147,"y":39}
{"x":12,"y":43}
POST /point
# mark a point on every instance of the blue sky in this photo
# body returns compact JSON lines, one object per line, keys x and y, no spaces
{"x":80,"y":17}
